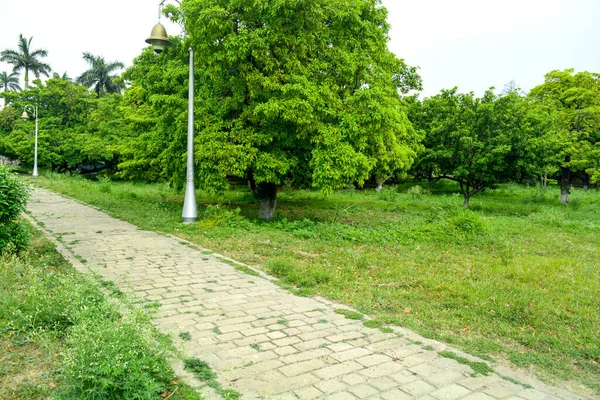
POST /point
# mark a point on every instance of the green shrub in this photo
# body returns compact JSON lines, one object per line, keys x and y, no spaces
{"x":113,"y":361}
{"x":13,"y":199}
{"x":108,"y":350}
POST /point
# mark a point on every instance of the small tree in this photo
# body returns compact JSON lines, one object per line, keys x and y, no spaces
{"x":571,"y":141}
{"x":13,"y":199}
{"x":473,"y":141}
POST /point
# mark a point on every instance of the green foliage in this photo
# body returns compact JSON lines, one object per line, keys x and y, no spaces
{"x":155,"y":109}
{"x":478,"y":367}
{"x":568,"y":102}
{"x":304,"y":93}
{"x":474,"y":141}
{"x":13,"y":199}
{"x":75,"y":128}
{"x":203,"y":372}
{"x":99,"y":75}
{"x":104,"y":350}
{"x":350,"y":314}
{"x":116,"y":360}
{"x":27,"y":59}
{"x":9,"y":82}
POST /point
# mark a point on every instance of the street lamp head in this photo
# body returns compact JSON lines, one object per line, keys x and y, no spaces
{"x":158,"y":38}
{"x":24,"y":116}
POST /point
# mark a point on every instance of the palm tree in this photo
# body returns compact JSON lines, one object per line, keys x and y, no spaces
{"x":26,"y":59}
{"x":64,"y":77}
{"x":99,"y":75}
{"x":9,"y":83}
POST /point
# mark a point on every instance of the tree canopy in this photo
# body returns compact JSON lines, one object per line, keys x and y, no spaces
{"x":9,"y":82}
{"x":474,"y":141}
{"x":27,"y":59}
{"x":101,"y":75}
{"x":571,"y":141}
{"x":304,"y":90}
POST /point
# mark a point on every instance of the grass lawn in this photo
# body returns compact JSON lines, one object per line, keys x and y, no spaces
{"x":61,"y":337}
{"x":515,"y":277}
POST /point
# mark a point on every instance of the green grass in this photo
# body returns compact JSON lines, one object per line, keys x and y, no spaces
{"x":62,"y":338}
{"x":202,"y":371}
{"x":514,"y":277}
{"x":477,"y":367}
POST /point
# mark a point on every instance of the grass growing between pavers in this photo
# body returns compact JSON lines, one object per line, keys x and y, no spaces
{"x":62,"y":337}
{"x":515,"y":276}
{"x":202,"y":371}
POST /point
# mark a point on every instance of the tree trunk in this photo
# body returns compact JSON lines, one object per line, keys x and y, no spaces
{"x":252,"y":185}
{"x":380,"y":181}
{"x":565,"y":185}
{"x":544,"y":179}
{"x":467,"y":197}
{"x":586,"y":181}
{"x":267,"y":193}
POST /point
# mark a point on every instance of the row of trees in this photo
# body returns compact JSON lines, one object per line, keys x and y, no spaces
{"x":101,"y":75}
{"x":306,"y":92}
{"x":552,"y":131}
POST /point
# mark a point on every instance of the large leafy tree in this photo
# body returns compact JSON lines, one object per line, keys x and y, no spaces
{"x":101,"y":75}
{"x":27,"y":59}
{"x":303,"y":90}
{"x":474,"y":141}
{"x":155,"y":109}
{"x":75,"y":128}
{"x":9,"y":82}
{"x":571,"y":139}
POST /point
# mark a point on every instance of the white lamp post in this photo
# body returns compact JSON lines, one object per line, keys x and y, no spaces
{"x":25,"y":116}
{"x":159,"y":41}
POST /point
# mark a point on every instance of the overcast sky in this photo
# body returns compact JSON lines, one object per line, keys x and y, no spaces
{"x":472,"y":44}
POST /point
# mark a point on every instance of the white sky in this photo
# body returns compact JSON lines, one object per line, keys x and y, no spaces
{"x":472,"y":44}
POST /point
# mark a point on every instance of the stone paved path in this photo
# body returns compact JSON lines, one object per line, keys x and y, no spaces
{"x":261,"y":340}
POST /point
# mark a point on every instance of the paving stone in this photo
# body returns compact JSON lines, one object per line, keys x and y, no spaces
{"x":341,"y":396}
{"x":363,"y":391}
{"x":386,"y":368}
{"x":417,"y":388}
{"x":396,"y":395}
{"x":350,"y":354}
{"x":312,"y":344}
{"x":288,"y":384}
{"x":479,"y":382}
{"x":532,"y":394}
{"x":331,"y":386}
{"x":478,"y":396}
{"x":502,"y":389}
{"x":282,"y":351}
{"x":373,"y":359}
{"x":308,"y":393}
{"x":383,"y":383}
{"x":301,"y":367}
{"x":353,"y":379}
{"x":451,"y":392}
{"x":305,"y":355}
{"x":338,"y":369}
